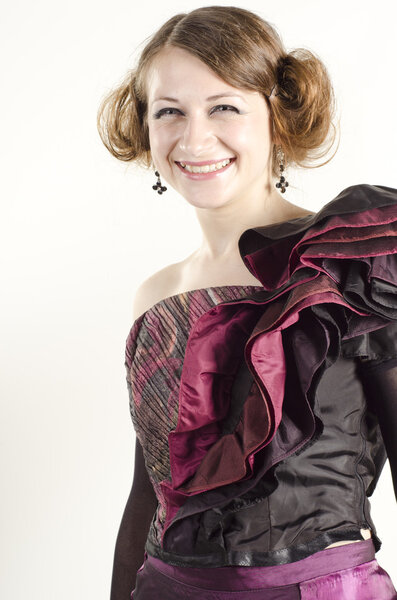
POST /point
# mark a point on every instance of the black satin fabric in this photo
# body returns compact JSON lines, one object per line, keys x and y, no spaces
{"x":319,"y":494}
{"x":322,"y":489}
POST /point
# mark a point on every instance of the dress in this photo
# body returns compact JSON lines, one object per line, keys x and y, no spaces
{"x":252,"y":403}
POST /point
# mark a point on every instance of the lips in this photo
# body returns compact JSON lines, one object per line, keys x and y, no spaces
{"x":204,"y":162}
{"x":205,"y":168}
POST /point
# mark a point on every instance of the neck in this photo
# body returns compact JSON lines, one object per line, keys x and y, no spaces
{"x":222,"y":226}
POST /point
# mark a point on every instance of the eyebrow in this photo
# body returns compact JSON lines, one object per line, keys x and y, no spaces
{"x":209,"y":99}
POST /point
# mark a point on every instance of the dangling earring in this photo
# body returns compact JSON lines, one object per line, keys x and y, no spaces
{"x":282,"y":183}
{"x":158,"y":187}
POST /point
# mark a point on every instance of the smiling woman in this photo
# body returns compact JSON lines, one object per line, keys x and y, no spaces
{"x":252,"y":364}
{"x":224,"y":148}
{"x":226,"y":42}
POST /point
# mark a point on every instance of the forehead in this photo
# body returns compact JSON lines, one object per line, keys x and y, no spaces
{"x":177,"y":73}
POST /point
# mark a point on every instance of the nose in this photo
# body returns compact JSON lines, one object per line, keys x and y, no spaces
{"x":197,"y":137}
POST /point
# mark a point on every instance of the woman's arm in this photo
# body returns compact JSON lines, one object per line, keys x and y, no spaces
{"x":380,"y":381}
{"x":134,"y":527}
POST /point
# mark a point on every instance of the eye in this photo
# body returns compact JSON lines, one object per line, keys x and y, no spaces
{"x":165,"y":111}
{"x":225,"y":108}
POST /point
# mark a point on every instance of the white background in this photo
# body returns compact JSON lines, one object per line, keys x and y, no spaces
{"x":79,"y":231}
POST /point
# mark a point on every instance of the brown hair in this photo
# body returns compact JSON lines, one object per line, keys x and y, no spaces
{"x":246,"y":52}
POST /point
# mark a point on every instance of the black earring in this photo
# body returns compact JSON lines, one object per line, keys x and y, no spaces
{"x":158,"y":187}
{"x":282,"y":183}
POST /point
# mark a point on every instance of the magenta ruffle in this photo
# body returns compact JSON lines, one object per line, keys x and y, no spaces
{"x":326,"y":278}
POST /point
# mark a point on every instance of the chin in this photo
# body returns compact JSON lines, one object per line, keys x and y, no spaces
{"x":208,"y":197}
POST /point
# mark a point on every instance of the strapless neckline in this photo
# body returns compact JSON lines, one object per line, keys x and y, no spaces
{"x":196,"y":290}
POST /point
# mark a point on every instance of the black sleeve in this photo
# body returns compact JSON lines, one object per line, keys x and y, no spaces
{"x":134,"y":527}
{"x":379,"y":377}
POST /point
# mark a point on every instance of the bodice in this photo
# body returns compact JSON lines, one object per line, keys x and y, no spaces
{"x":254,"y":421}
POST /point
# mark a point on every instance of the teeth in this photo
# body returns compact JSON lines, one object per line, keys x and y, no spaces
{"x":206,"y":168}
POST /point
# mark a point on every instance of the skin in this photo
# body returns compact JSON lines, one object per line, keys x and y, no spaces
{"x":237,"y":124}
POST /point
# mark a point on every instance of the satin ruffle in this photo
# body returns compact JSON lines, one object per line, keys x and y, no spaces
{"x":326,"y":278}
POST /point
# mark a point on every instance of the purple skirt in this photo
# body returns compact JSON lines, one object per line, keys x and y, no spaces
{"x":348,"y":572}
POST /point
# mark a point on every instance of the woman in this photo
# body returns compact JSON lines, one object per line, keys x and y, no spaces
{"x":259,"y":432}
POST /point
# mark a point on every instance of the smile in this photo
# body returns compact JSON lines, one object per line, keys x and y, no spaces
{"x":205,"y":168}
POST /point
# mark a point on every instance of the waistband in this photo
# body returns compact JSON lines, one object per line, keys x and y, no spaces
{"x":232,"y":578}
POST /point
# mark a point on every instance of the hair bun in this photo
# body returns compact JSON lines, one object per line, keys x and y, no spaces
{"x":289,"y":80}
{"x":304,"y":108}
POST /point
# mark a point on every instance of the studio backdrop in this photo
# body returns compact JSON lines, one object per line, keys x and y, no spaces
{"x":80,"y":231}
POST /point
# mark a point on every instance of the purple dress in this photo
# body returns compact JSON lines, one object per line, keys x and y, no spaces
{"x":253,"y":413}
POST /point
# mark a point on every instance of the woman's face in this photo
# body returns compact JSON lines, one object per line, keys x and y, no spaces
{"x":209,"y":140}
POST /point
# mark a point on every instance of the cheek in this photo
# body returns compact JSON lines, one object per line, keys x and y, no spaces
{"x":161,"y":140}
{"x":253,"y":138}
{"x":154,"y":140}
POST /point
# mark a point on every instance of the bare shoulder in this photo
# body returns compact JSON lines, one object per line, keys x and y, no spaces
{"x":281,"y":210}
{"x":293,"y":211}
{"x":303,"y":212}
{"x":154,"y":288}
